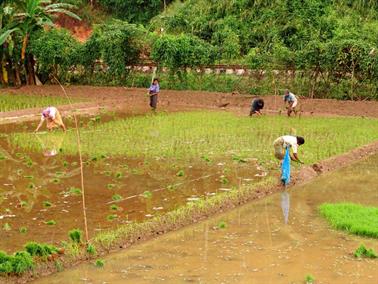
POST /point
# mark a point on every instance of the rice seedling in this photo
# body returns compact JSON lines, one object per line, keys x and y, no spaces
{"x":29,"y":177}
{"x":352,"y":218}
{"x":99,"y":263}
{"x":171,"y":187}
{"x":147,"y":194}
{"x":222,"y":225}
{"x":23,"y":230}
{"x":118,"y":175}
{"x":362,"y":251}
{"x":31,"y":185}
{"x":55,"y":180}
{"x":76,"y":236}
{"x":65,"y":164}
{"x":91,"y":249}
{"x":110,"y":186}
{"x":50,"y":222}
{"x":7,"y":227}
{"x":309,"y":279}
{"x":23,"y":203}
{"x":74,"y":191}
{"x":180,"y":173}
{"x":47,"y":204}
{"x":224,"y":180}
{"x":111,"y":217}
{"x":114,"y":207}
{"x":108,"y":173}
{"x":116,"y":197}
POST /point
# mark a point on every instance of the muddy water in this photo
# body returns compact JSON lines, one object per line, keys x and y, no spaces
{"x":256,"y":246}
{"x":118,"y":190}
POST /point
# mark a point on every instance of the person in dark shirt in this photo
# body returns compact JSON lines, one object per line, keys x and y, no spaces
{"x":256,"y":107}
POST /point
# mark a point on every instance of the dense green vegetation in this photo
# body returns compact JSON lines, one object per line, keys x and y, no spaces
{"x":353,"y":218}
{"x":16,"y":102}
{"x":329,"y":48}
{"x":213,"y":134}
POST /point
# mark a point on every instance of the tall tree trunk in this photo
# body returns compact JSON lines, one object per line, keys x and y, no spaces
{"x":30,"y":69}
{"x":17,"y":77}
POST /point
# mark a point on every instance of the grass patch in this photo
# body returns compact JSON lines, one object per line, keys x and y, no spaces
{"x":362,"y":251}
{"x":10,"y":102}
{"x":213,"y":134}
{"x":353,"y":218}
{"x":17,"y":263}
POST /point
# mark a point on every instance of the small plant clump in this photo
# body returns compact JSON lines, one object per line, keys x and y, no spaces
{"x":222,"y":225}
{"x":110,"y":186}
{"x":309,"y":279}
{"x":147,"y":194}
{"x":50,"y":222}
{"x":99,"y":263}
{"x":91,"y":249}
{"x":362,"y":251}
{"x":74,"y":191}
{"x":76,"y":236}
{"x":116,"y":197}
{"x":47,"y":204}
{"x":40,"y":250}
{"x":114,"y":207}
{"x":7,"y":227}
{"x":180,"y":173}
{"x":17,"y":263}
{"x":112,"y":217}
{"x":23,"y":230}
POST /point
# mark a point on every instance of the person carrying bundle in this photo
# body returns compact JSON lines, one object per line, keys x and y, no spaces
{"x":53,"y":119}
{"x":281,"y":144}
{"x":256,"y":107}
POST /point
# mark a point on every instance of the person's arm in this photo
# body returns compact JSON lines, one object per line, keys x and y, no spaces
{"x":63,"y":127}
{"x":39,"y":125}
{"x":295,"y":158}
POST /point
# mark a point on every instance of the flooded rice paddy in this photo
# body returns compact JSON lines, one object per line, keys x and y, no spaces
{"x":254,"y":244}
{"x":41,"y":201}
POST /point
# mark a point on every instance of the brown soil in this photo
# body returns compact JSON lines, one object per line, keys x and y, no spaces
{"x":135,"y":100}
{"x":79,"y":29}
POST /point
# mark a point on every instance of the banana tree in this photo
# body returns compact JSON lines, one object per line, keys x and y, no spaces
{"x":31,"y":16}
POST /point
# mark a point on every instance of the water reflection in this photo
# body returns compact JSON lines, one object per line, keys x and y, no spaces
{"x":285,"y":205}
{"x":50,"y":144}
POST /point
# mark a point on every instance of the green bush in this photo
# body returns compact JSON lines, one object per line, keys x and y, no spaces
{"x":54,"y":50}
{"x":180,"y":52}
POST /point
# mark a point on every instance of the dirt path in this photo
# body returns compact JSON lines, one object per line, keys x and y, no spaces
{"x":132,"y":99}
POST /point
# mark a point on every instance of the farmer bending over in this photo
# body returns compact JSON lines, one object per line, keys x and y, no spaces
{"x":256,"y":107}
{"x":293,"y":142}
{"x":291,"y":101}
{"x":52,"y":117}
{"x":153,"y":92}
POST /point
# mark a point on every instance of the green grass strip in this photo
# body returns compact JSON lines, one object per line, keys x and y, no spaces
{"x":17,"y":102}
{"x":353,"y":218}
{"x":212,"y":134}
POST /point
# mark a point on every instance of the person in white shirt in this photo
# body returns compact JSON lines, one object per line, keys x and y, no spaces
{"x":281,"y":143}
{"x":52,"y":117}
{"x":291,"y":101}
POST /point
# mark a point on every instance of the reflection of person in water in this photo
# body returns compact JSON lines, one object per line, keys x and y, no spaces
{"x":285,"y":205}
{"x":50,"y":144}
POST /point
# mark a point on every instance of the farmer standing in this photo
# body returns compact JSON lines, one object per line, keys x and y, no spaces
{"x":256,"y":107}
{"x":53,"y":119}
{"x":282,"y":143}
{"x":153,"y":92}
{"x":291,"y":101}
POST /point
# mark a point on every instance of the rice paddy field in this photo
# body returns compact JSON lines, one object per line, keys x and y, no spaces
{"x":139,"y":169}
{"x":9,"y":102}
